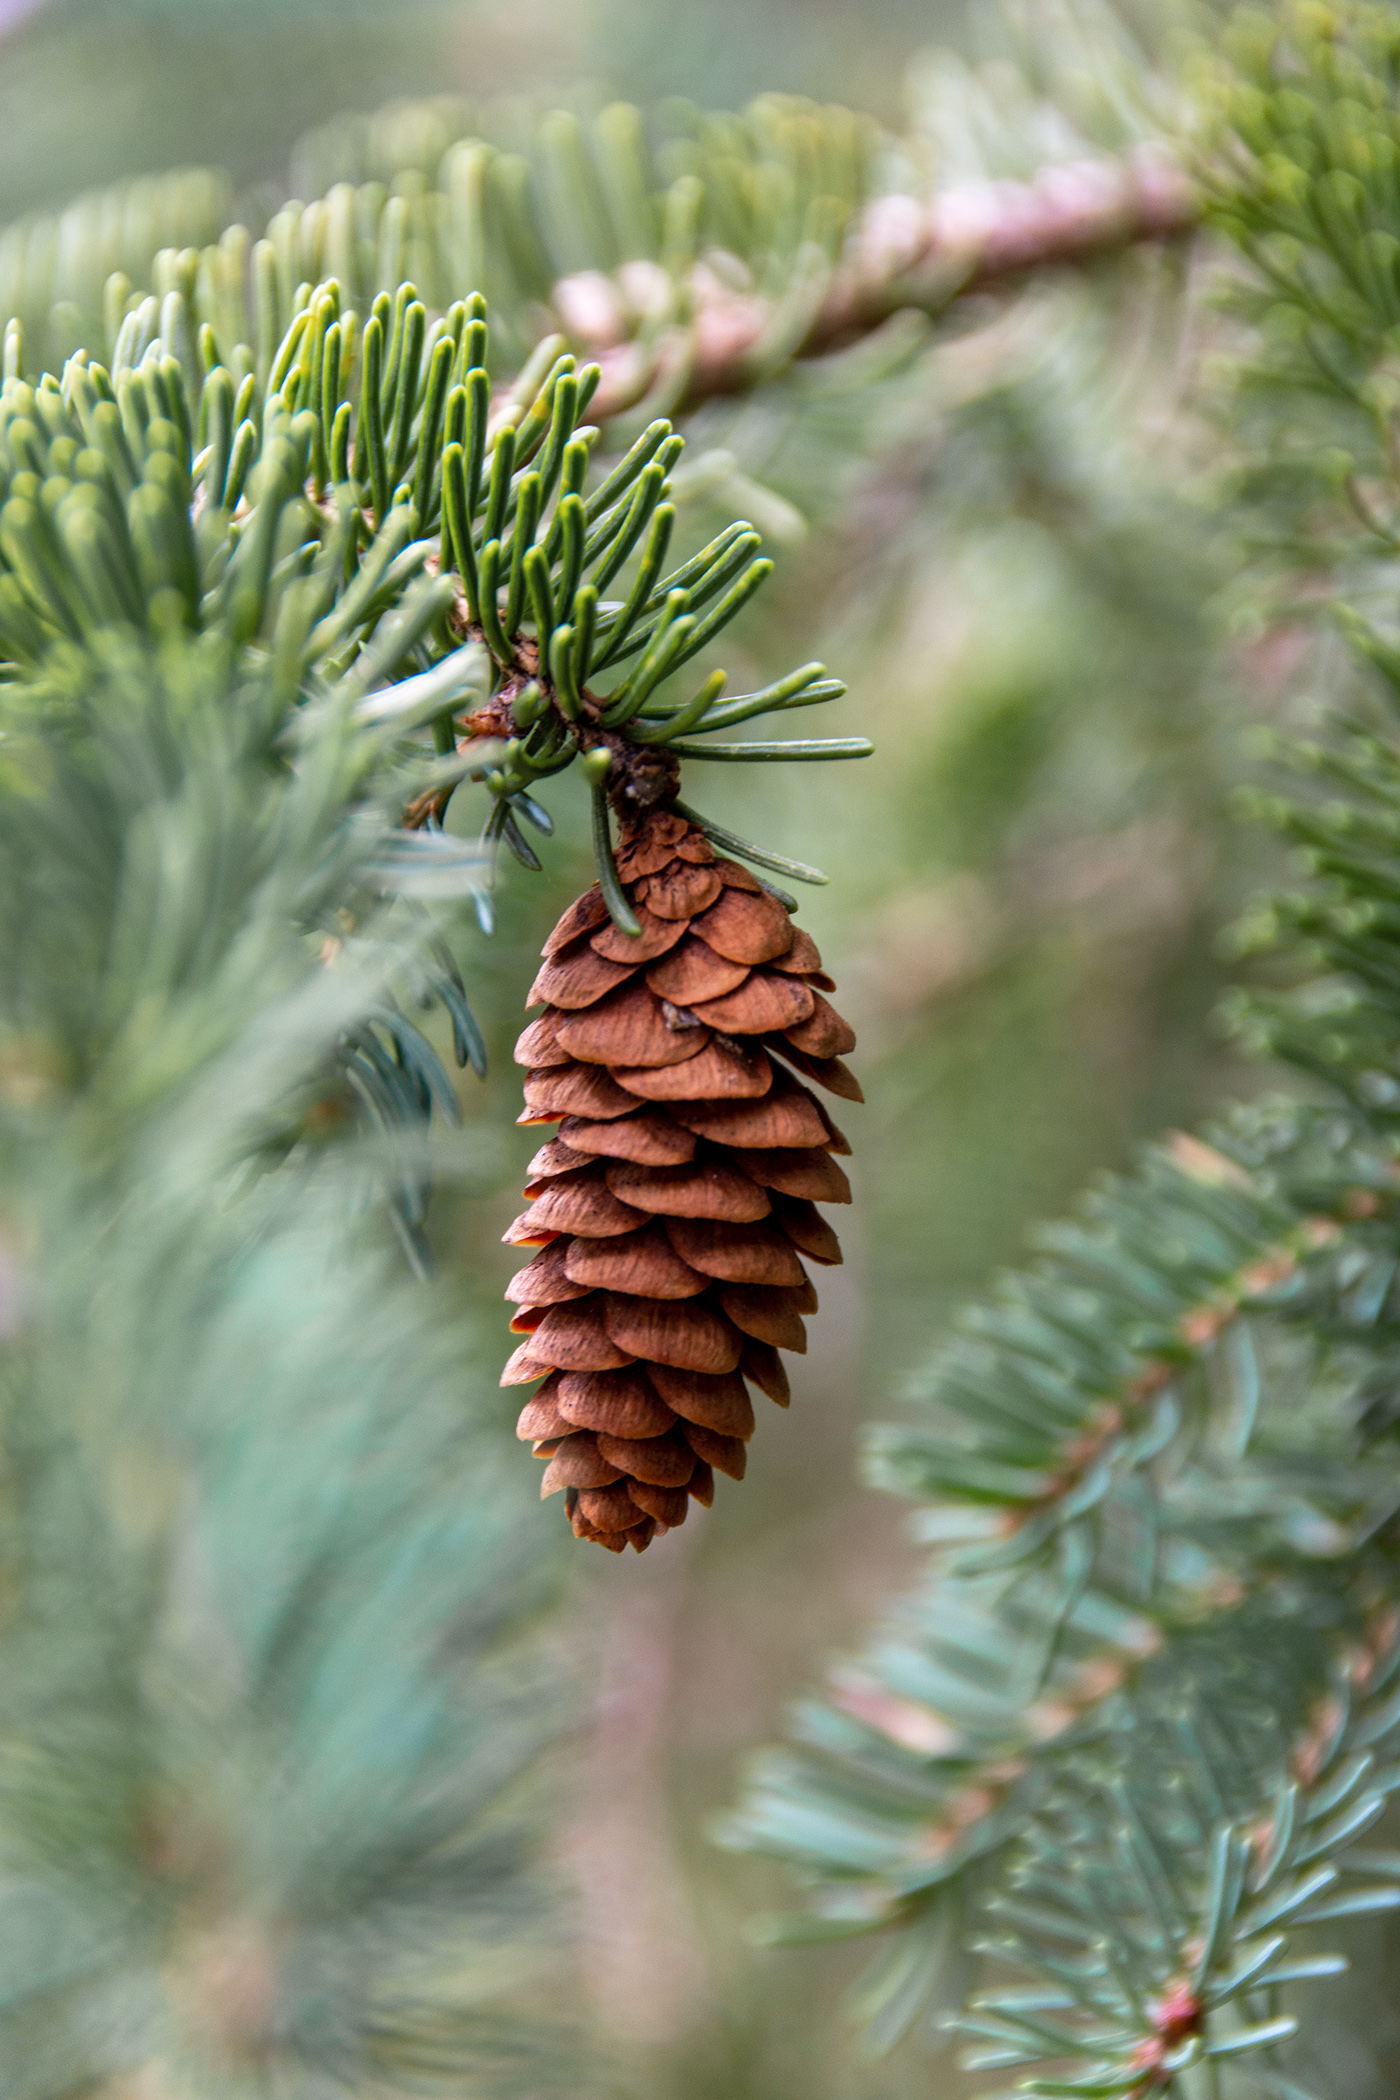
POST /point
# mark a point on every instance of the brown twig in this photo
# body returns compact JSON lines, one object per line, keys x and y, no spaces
{"x":904,"y":253}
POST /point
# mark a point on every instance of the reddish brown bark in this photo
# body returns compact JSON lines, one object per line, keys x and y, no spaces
{"x":903,"y":252}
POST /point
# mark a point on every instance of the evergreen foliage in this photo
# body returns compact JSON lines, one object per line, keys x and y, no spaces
{"x":1128,"y":1733}
{"x":420,"y":194}
{"x":274,"y":583}
{"x":291,"y":544}
{"x":265,"y":1724}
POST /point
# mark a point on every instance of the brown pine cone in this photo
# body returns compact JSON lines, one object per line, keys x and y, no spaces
{"x":671,"y":1208}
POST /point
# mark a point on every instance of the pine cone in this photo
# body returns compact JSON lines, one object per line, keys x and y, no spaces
{"x":671,"y":1208}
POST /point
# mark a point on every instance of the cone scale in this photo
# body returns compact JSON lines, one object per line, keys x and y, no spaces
{"x":674,"y":1211}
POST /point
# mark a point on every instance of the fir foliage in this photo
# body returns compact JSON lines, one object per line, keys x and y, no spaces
{"x":267,"y":1704}
{"x":295,"y":501}
{"x":276,"y":578}
{"x":420,"y":193}
{"x":1134,"y":1728}
{"x":291,"y":544}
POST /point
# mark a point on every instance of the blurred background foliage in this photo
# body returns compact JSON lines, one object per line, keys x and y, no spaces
{"x":1004,"y":546}
{"x":97,"y":89}
{"x":94,"y":90}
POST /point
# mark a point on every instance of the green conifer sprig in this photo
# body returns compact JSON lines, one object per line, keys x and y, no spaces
{"x":1186,"y":1412}
{"x":261,"y":1825}
{"x":267,"y":1695}
{"x":775,"y":190}
{"x":1306,"y":143}
{"x":696,"y":253}
{"x":1108,"y":1466}
{"x":55,"y":267}
{"x":267,"y":1700}
{"x":1340,"y":1024}
{"x":517,"y":207}
{"x":1300,"y":145}
{"x":366,"y":895}
{"x":1193,"y":1971}
{"x":297,"y":501}
{"x":1078,"y":1380}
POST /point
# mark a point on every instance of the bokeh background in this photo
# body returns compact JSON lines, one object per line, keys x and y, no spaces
{"x":1002,"y":542}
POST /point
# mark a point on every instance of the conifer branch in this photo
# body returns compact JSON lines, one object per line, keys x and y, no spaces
{"x":287,"y":551}
{"x":1194,"y":1388}
{"x":360,"y":509}
{"x":265,"y":1679}
{"x":696,"y":289}
{"x":1192,"y":1970}
{"x":904,"y":253}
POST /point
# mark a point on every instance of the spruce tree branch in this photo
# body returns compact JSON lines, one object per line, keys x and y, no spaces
{"x":700,"y":312}
{"x":264,"y":1678}
{"x":1184,"y":1962}
{"x":1233,"y":1304}
{"x":1039,"y":1420}
{"x":903,"y":253}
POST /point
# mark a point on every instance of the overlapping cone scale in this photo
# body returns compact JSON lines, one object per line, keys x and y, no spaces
{"x":673,"y":1207}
